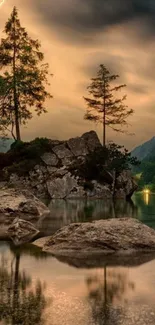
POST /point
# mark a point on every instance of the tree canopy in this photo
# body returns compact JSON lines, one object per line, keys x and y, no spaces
{"x":23,"y":79}
{"x":103,"y":106}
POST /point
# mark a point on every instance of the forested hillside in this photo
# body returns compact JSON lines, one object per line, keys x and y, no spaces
{"x":145,"y":172}
{"x":5,"y":144}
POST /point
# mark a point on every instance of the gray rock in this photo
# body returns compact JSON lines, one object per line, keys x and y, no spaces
{"x":21,"y":232}
{"x":62,"y":151}
{"x":112,"y":236}
{"x":60,"y":188}
{"x":100,"y":191}
{"x":51,"y":169}
{"x":67,"y":161}
{"x":92,"y":140}
{"x":77,"y":192}
{"x":78,"y":146}
{"x":125,"y":185}
{"x":21,"y":203}
{"x":50,"y":159}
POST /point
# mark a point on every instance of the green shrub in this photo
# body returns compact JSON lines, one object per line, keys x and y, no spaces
{"x":102,"y":161}
{"x":22,"y":168}
{"x":23,"y":156}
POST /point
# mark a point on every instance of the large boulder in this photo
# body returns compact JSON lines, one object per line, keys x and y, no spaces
{"x":21,"y":232}
{"x":50,"y":159}
{"x":22,"y":215}
{"x":113,"y":236}
{"x":62,"y":151}
{"x":21,"y":204}
{"x":91,"y":140}
{"x":60,"y":188}
{"x":125,"y":185}
{"x":78,"y":146}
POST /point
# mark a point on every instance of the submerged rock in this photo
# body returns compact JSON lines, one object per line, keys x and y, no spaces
{"x":113,"y":236}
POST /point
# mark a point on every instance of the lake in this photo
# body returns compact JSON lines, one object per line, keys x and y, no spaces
{"x":36,"y":288}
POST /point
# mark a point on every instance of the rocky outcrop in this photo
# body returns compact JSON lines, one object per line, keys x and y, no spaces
{"x":114,"y":236}
{"x":52,"y":176}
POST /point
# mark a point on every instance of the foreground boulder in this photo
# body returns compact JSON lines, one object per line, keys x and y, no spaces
{"x":20,"y":203}
{"x":23,"y":212}
{"x":113,"y":236}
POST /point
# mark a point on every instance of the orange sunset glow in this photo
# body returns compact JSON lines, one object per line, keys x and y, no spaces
{"x":77,"y":36}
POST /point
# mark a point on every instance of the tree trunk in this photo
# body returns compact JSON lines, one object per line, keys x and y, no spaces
{"x":16,"y":108}
{"x":114,"y":183}
{"x":104,"y":120}
{"x":15,"y":305}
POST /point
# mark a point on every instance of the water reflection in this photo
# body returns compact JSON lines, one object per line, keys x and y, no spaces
{"x":99,"y":292}
{"x":146,"y":198}
{"x":21,"y":300}
{"x":98,"y":296}
{"x":105,"y":289}
{"x":145,"y":208}
{"x":65,"y":212}
{"x":85,"y":210}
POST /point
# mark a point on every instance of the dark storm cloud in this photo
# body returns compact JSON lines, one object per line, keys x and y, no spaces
{"x":94,"y":15}
{"x":114,"y":64}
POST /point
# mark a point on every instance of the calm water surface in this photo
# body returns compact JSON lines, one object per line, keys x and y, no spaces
{"x":36,"y":288}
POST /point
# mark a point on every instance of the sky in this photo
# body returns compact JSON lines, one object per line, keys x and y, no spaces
{"x":79,"y":35}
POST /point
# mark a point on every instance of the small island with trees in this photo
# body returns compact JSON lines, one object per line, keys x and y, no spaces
{"x":76,"y":168}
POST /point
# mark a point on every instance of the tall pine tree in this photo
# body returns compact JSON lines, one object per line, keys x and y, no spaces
{"x":103,"y":106}
{"x":23,"y":78}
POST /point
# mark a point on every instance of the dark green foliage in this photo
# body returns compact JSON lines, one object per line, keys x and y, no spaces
{"x":103,"y":106}
{"x":146,"y":170}
{"x":24,"y":77}
{"x":88,"y":186}
{"x":102,"y":162}
{"x":23,"y":156}
{"x":31,"y":149}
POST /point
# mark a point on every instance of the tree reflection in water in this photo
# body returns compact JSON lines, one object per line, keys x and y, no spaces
{"x":65,"y":212}
{"x":21,"y":301}
{"x":104,"y":289}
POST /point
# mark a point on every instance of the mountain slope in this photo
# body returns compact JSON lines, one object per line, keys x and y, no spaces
{"x":5,"y":144}
{"x":145,"y":151}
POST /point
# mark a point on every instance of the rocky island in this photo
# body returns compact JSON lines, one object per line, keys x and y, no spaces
{"x":49,"y":169}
